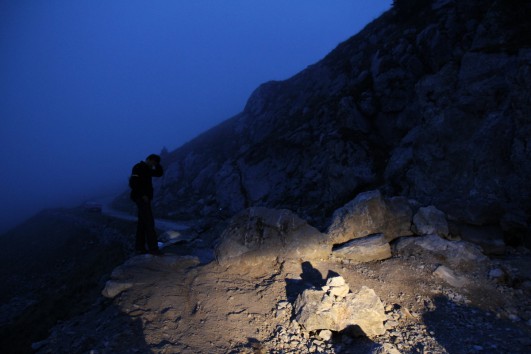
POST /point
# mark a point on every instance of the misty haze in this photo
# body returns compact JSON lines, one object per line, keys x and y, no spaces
{"x":90,"y":88}
{"x":253,"y":176}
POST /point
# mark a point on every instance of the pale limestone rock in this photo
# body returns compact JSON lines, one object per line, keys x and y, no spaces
{"x":366,"y":249}
{"x":369,"y":214}
{"x":339,"y":291}
{"x":450,"y":277}
{"x":336,"y":286}
{"x":318,"y":310}
{"x":325,"y":334}
{"x":335,"y":281}
{"x":260,"y":234}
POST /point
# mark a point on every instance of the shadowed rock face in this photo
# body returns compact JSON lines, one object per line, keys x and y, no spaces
{"x":433,"y":107}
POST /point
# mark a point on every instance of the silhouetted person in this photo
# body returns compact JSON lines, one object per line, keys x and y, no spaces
{"x":142,"y":194}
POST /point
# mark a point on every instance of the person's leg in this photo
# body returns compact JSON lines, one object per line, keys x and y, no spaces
{"x":141,"y":227}
{"x":151,"y":234}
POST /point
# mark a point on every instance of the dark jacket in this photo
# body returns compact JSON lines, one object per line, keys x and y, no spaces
{"x":140,"y":180}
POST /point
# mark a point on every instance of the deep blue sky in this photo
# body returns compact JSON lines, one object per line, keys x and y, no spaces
{"x":88,"y":88}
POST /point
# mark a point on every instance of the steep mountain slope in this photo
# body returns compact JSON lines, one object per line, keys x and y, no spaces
{"x":428,"y":101}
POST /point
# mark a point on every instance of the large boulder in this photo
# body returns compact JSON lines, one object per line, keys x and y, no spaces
{"x":334,"y":308}
{"x":369,"y":213}
{"x":260,"y":234}
{"x":430,"y":220}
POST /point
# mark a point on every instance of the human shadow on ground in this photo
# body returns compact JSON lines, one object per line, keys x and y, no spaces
{"x":309,"y":278}
{"x":465,"y":329}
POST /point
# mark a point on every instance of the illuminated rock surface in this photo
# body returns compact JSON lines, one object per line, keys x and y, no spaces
{"x":360,"y":312}
{"x":366,"y":249}
{"x":259,"y":235}
{"x":369,"y":213}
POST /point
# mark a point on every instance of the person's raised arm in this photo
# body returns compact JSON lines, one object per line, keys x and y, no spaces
{"x":157,"y":171}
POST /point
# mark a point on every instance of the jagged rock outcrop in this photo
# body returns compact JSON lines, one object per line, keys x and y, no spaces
{"x":433,"y":106}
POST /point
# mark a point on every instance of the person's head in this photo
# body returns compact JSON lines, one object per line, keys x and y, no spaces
{"x":153,"y":160}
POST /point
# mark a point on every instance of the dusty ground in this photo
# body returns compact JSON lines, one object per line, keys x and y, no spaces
{"x":204,"y":308}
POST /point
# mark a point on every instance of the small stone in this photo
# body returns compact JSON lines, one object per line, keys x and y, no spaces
{"x":390,"y":324}
{"x":339,"y":291}
{"x":295,"y":324}
{"x":335,"y":281}
{"x":317,"y":342}
{"x":450,"y":277}
{"x":282,"y":305}
{"x":325,"y":334}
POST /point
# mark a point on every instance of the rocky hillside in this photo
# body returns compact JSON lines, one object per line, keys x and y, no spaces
{"x":429,"y":102}
{"x":280,"y":286}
